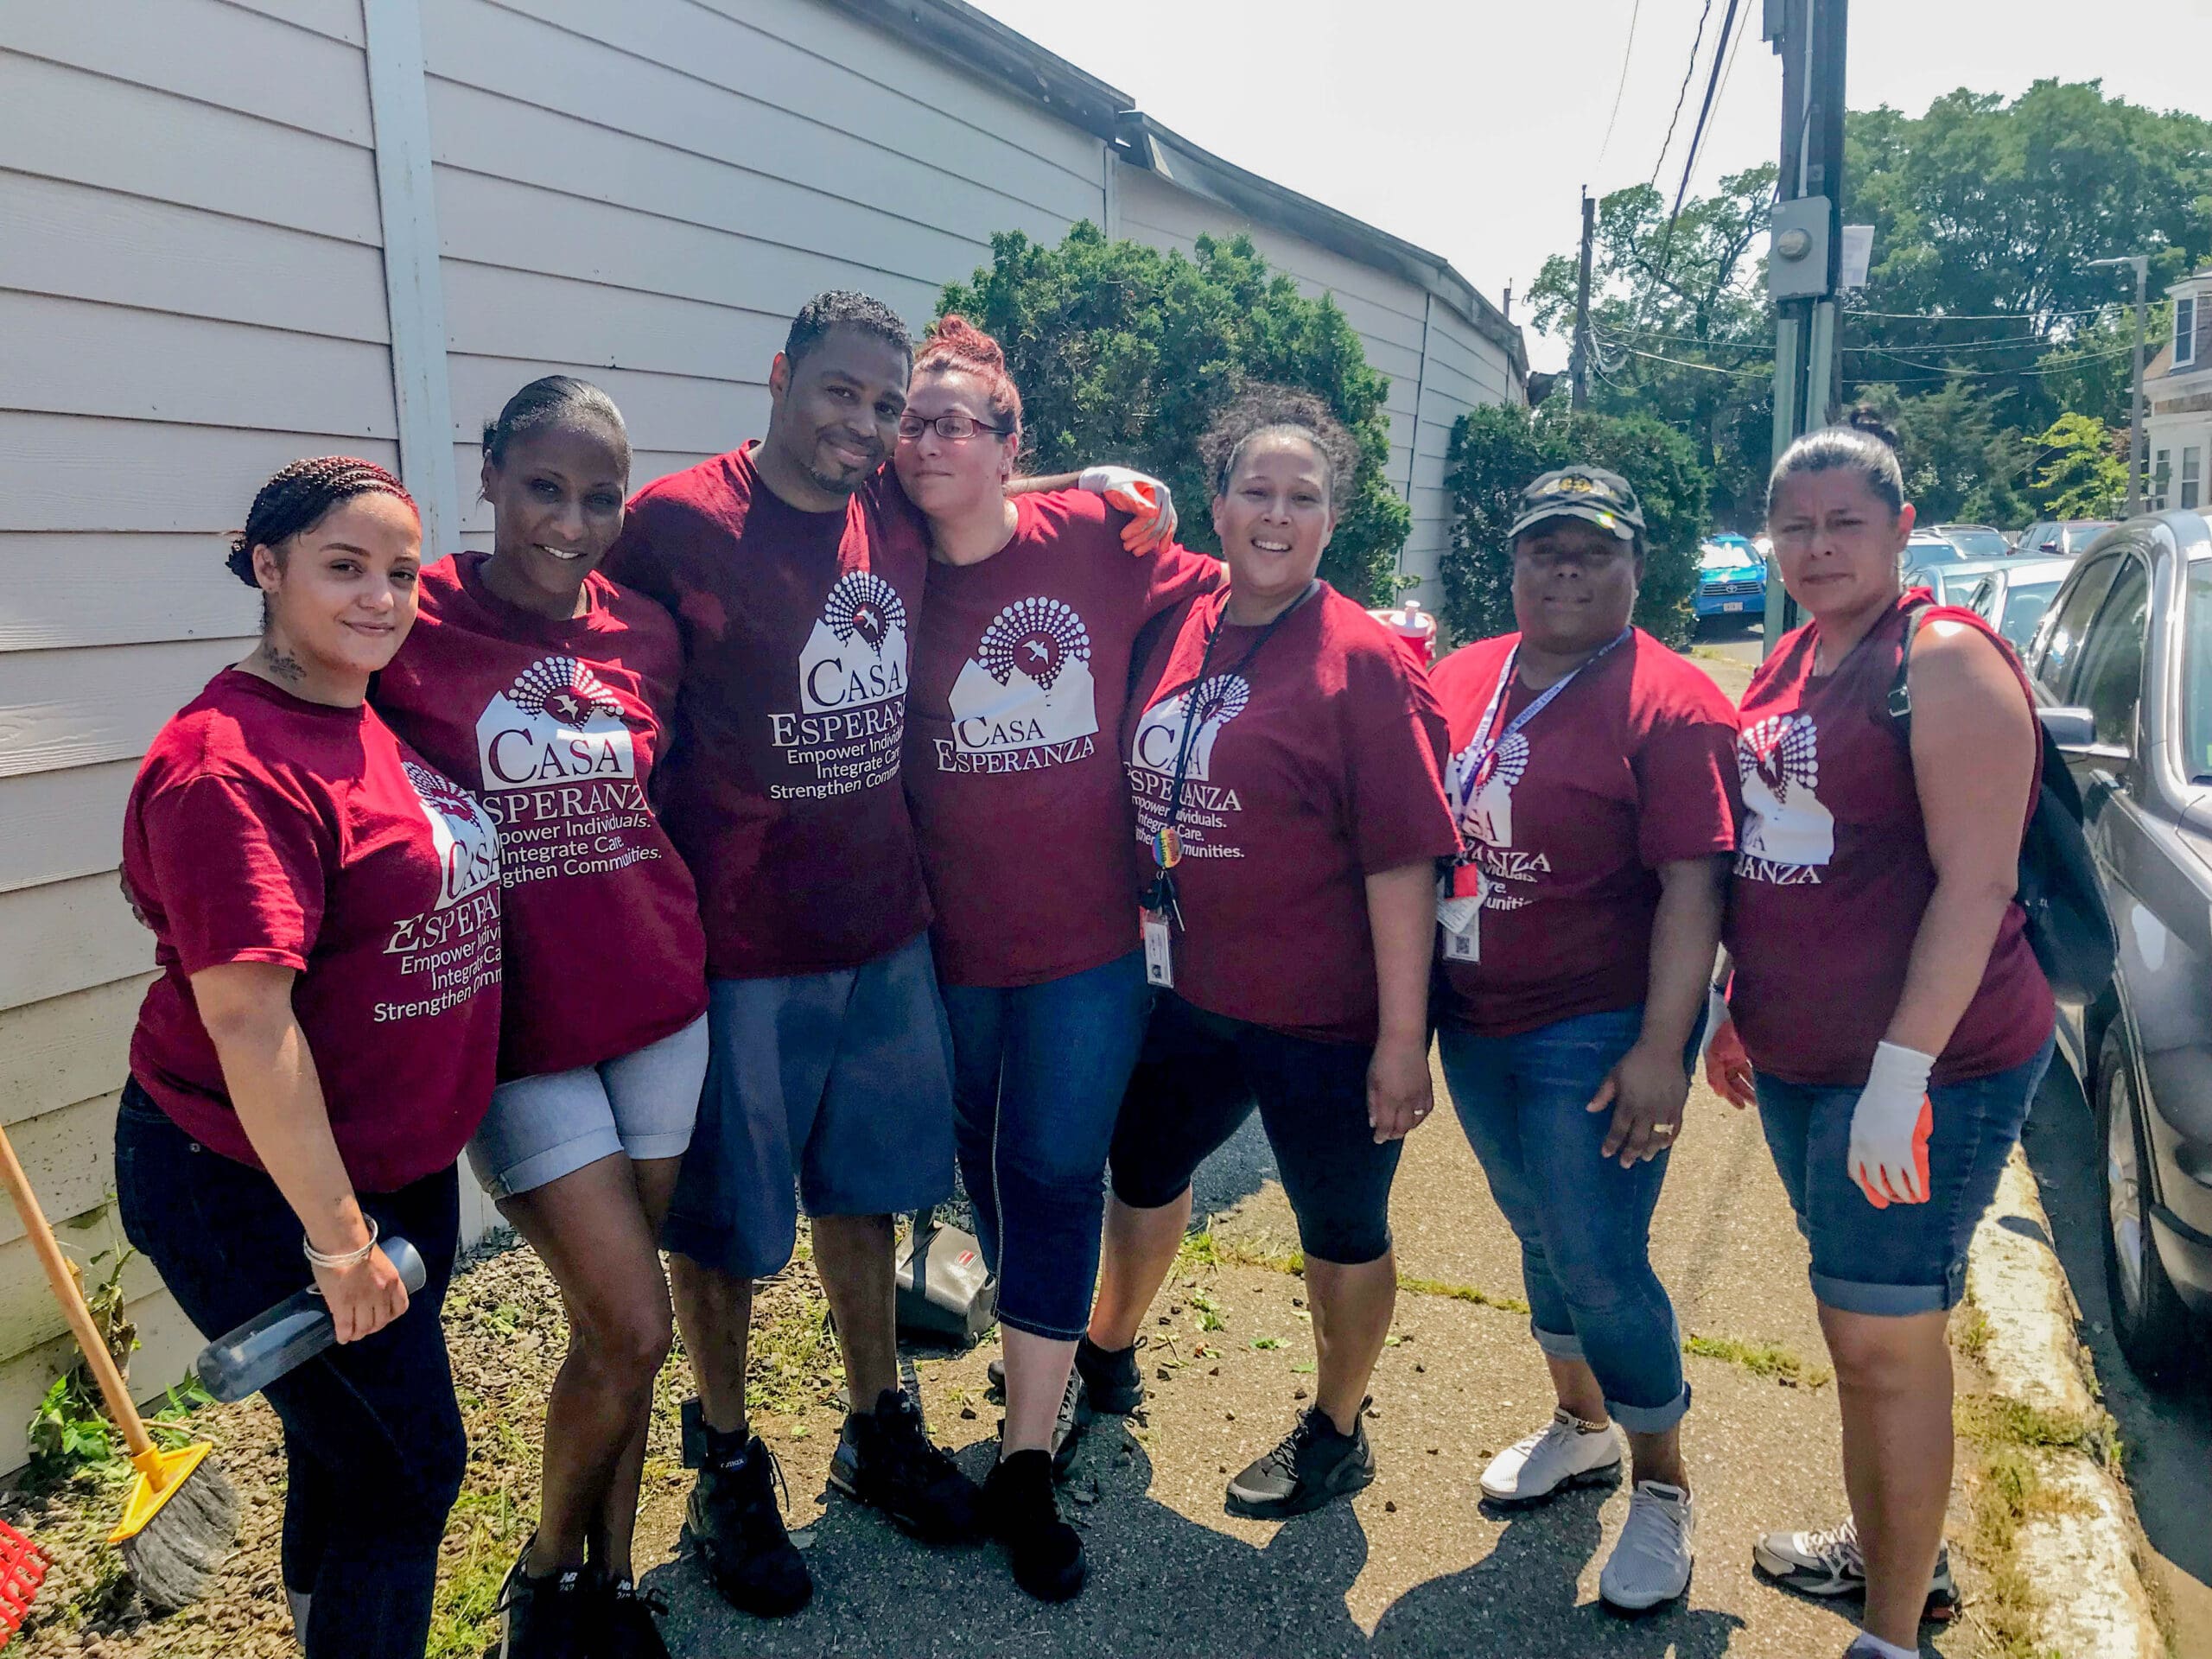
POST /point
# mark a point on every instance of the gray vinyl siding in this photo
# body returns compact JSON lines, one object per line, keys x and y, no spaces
{"x":736,"y":159}
{"x":191,"y":295}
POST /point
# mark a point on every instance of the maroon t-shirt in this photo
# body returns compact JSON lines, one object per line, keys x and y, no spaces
{"x":1317,"y":762}
{"x":556,"y":726}
{"x":782,"y":785}
{"x":263,"y":828}
{"x":1832,"y":876}
{"x":1022,"y":670}
{"x":1631,"y":766}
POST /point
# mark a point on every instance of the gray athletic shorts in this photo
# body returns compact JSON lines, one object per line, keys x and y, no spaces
{"x":837,"y":1083}
{"x":541,"y":1129}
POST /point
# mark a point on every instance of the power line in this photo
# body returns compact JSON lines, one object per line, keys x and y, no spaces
{"x":1697,"y":135}
{"x":1998,"y":374}
{"x":1635,"y":12}
{"x":1708,"y":368}
{"x":1688,"y":75}
{"x":1729,"y":74}
{"x":1972,"y":316}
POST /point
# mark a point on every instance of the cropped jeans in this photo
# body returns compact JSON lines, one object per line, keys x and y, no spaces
{"x":1038,"y":1072}
{"x":1584,"y":1222}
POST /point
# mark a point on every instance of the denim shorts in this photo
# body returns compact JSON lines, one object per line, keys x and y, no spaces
{"x":1201,"y":1076}
{"x":1039,"y":1071}
{"x":1904,"y":1258}
{"x":841,"y":1081}
{"x":541,"y":1129}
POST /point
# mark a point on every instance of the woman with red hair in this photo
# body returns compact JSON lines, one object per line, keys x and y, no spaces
{"x":1020,"y":671}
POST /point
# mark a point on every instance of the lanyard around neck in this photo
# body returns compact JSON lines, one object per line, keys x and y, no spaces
{"x":1481,"y":753}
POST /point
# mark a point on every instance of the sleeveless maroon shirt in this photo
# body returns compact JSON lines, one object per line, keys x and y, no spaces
{"x":1833,"y":875}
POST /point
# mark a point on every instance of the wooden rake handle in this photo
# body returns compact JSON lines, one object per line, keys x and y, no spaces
{"x":66,"y":1291}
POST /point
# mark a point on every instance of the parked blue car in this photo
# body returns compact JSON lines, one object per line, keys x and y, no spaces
{"x":1730,"y":579}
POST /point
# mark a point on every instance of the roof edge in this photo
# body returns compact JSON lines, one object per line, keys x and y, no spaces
{"x":957,"y":33}
{"x":981,"y":45}
{"x":1148,"y":144}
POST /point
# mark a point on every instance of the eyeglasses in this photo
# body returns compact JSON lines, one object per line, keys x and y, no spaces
{"x":953,"y":429}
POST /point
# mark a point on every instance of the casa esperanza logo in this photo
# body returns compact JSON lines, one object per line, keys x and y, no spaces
{"x":1028,"y":686}
{"x":1206,"y":706}
{"x":857,"y":651}
{"x":467,"y":845}
{"x":1785,"y":826}
{"x":1487,"y":815}
{"x":558,"y":723}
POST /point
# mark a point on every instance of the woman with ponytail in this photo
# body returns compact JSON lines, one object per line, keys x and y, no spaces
{"x":1020,"y":668}
{"x":1888,"y":1018}
{"x":547,"y":688}
{"x":318,"y":1042}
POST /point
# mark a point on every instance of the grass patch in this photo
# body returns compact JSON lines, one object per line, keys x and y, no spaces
{"x":1209,"y":1311}
{"x":483,"y":1536}
{"x":793,"y":1362}
{"x":1992,"y":1421}
{"x":1767,"y":1359}
{"x":1469,"y":1294}
{"x":2002,"y":1444}
{"x":1971,"y":1332}
{"x":1207,"y":1248}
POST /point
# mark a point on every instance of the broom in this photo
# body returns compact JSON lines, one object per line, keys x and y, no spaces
{"x":182,"y":1512}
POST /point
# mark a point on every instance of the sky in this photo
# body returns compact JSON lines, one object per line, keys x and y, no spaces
{"x":1467,"y":126}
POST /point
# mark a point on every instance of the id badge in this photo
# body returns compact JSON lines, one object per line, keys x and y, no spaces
{"x":1159,"y":952}
{"x":1459,"y":913}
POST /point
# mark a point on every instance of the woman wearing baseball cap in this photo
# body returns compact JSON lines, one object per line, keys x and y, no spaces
{"x":1592,"y":778}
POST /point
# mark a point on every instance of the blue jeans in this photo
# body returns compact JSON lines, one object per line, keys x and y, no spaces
{"x":1038,"y":1072}
{"x":374,"y":1450}
{"x":1904,"y":1258}
{"x":1584,"y":1222}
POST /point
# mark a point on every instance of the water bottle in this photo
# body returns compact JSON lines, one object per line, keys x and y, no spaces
{"x":250,"y":1358}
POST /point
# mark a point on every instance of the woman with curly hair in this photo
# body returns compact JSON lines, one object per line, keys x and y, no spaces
{"x":1022,"y":666}
{"x":319,"y":1043}
{"x":1286,"y":757}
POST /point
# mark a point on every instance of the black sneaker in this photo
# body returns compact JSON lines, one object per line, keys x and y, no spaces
{"x":626,"y":1629}
{"x":1313,"y":1464}
{"x":1022,"y":1513}
{"x":542,"y":1619}
{"x":886,"y":1459}
{"x":1112,"y":1384}
{"x":735,"y":1520}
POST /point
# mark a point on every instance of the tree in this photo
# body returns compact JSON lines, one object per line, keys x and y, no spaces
{"x":1961,"y":464}
{"x":1680,"y":327}
{"x":1499,"y":449}
{"x":2083,"y":475}
{"x":1124,"y":353}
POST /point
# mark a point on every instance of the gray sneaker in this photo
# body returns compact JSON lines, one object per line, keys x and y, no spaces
{"x":1829,"y":1562}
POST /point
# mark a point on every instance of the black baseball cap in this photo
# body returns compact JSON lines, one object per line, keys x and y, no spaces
{"x":1590,"y":493}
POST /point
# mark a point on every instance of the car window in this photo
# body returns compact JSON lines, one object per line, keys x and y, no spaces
{"x":2024,"y":604}
{"x":2033,"y":538}
{"x":2197,"y":673}
{"x":1981,"y":543}
{"x":2058,"y":641}
{"x":2079,"y":536}
{"x":1983,"y":591}
{"x":2108,"y":680}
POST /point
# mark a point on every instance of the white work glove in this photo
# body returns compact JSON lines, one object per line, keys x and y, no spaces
{"x":1889,"y":1128}
{"x":1716,"y":1015}
{"x":1148,"y":502}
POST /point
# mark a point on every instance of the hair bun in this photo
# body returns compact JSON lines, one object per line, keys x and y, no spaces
{"x":1865,"y":417}
{"x":953,"y":335}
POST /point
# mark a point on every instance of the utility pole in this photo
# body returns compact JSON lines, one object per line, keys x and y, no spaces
{"x":1804,"y":272}
{"x":1578,"y":364}
{"x":2139,"y":458}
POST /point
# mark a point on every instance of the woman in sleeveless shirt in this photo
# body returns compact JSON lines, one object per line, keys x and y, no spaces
{"x":1891,"y":1017}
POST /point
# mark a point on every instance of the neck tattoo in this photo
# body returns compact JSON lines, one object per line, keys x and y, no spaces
{"x":284,"y":667}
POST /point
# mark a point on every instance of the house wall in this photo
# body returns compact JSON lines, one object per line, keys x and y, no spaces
{"x":194,"y":290}
{"x":191,"y":295}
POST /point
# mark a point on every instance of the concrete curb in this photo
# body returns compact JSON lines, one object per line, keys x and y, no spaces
{"x":2091,"y":1602}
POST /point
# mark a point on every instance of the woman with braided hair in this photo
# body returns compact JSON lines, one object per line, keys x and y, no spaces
{"x":546,"y":688}
{"x":1033,"y":610}
{"x":319,"y":1044}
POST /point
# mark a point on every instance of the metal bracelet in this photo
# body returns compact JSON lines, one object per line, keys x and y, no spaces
{"x":344,"y":1258}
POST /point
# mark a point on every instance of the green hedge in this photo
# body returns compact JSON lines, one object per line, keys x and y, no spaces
{"x":1125,"y":354}
{"x":1497,"y":449}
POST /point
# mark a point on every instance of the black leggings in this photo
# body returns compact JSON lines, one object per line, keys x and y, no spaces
{"x":372,"y":1436}
{"x":1200,"y":1078}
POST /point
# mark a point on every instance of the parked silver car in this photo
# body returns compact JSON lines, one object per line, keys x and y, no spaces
{"x":2063,"y":536}
{"x":2011,"y":594}
{"x":2123,"y":668}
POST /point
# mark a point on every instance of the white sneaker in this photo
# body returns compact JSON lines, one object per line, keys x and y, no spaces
{"x":1651,"y":1563}
{"x":1562,"y":1454}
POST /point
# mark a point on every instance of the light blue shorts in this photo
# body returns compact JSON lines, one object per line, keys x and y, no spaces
{"x":643,"y":1103}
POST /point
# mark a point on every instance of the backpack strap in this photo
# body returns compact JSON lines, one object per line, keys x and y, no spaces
{"x":1900,"y":699}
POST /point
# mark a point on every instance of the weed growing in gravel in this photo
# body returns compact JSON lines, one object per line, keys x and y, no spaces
{"x":1762,"y":1359}
{"x":1453,"y":1293}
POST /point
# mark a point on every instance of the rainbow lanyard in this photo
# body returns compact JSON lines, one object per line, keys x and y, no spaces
{"x":1167,"y":842}
{"x":1482,"y":761}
